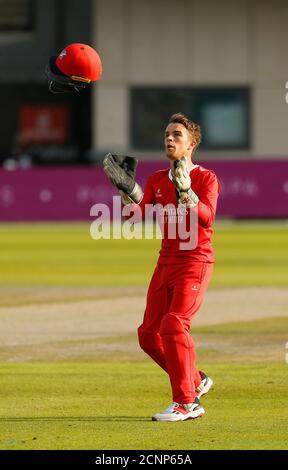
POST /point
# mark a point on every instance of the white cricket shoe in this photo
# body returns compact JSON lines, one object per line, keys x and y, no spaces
{"x":205,"y":385}
{"x":178,"y":412}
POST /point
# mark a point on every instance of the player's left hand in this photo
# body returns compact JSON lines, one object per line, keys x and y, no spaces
{"x":182,"y":182}
{"x":181,"y":177}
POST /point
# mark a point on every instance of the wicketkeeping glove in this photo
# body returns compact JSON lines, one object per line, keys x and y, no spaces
{"x":121,"y":170}
{"x":182,"y":182}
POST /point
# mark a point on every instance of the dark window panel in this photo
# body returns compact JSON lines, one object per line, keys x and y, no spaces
{"x":16,"y":15}
{"x":223,"y":114}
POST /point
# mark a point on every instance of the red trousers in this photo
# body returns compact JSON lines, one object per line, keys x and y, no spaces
{"x":174,"y":296}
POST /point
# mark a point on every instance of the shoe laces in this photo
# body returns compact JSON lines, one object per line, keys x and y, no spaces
{"x":187,"y":406}
{"x":202,"y":384}
{"x":171,"y":407}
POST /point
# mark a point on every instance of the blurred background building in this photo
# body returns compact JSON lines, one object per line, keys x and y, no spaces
{"x":51,"y":128}
{"x":223,"y":63}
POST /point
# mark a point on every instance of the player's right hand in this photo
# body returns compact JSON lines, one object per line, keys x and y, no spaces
{"x":121,"y":171}
{"x":113,"y":167}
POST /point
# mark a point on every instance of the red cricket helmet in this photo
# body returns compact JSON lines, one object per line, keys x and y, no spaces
{"x":80,"y":60}
{"x":74,"y":68}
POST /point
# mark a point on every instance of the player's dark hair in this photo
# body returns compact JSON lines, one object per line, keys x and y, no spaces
{"x":192,"y":127}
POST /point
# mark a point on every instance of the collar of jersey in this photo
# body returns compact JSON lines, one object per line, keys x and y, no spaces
{"x":191,"y":169}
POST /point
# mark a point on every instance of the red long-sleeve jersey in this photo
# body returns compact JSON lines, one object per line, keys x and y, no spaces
{"x":160,"y":191}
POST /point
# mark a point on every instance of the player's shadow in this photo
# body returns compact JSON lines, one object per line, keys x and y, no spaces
{"x":78,"y":418}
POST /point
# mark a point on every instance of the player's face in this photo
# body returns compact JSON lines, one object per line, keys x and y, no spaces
{"x":178,"y":141}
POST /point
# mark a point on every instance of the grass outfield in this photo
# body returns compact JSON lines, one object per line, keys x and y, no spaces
{"x":108,"y":406}
{"x":106,"y":401}
{"x":248,"y":254}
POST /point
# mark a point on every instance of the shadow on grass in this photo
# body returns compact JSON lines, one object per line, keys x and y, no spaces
{"x":77,"y":418}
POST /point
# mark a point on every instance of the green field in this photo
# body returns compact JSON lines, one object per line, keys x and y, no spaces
{"x":105,"y":399}
{"x":65,"y":254}
{"x":106,"y":406}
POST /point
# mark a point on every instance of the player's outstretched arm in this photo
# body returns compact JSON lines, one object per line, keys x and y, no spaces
{"x":121,"y":170}
{"x":182,"y":182}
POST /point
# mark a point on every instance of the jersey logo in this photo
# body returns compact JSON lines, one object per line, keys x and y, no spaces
{"x":158,"y":193}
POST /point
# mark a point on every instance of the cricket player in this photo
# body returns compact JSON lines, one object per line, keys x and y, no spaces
{"x":181,"y":276}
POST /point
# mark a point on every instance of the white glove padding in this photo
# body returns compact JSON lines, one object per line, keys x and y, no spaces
{"x":181,"y":177}
{"x":125,"y":198}
{"x":182,"y":181}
